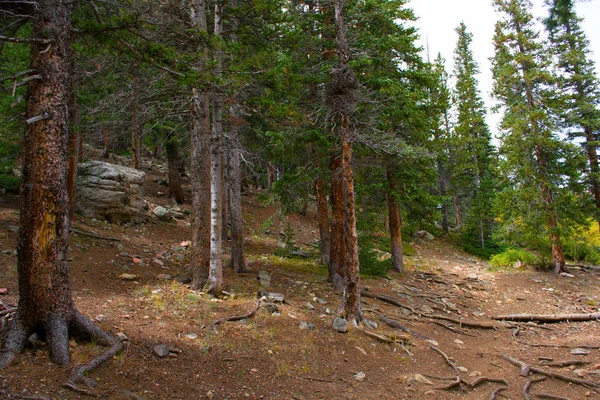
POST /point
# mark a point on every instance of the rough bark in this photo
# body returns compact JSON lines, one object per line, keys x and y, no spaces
{"x":395,"y":221}
{"x":103,"y":129}
{"x":136,"y":129}
{"x":323,"y":218}
{"x":158,"y":146}
{"x":337,"y":251}
{"x":45,"y":302}
{"x":173,"y":161}
{"x":235,"y":199}
{"x":74,"y":144}
{"x":592,"y":153}
{"x":226,"y":194}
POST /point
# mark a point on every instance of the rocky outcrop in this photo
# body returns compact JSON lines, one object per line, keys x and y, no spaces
{"x":111,"y":192}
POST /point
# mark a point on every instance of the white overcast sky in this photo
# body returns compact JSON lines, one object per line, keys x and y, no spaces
{"x":439,"y":18}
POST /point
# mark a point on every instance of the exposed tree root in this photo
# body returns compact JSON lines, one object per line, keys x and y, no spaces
{"x":549,"y":318}
{"x":526,"y":369}
{"x":386,"y":338}
{"x":559,"y":346}
{"x":71,"y":386}
{"x":79,"y":371}
{"x":452,"y":328}
{"x":484,"y":379}
{"x":235,"y":317}
{"x":550,"y":396}
{"x":397,"y":325}
{"x":446,"y":359}
{"x":525,"y":391}
{"x":388,"y":299}
{"x":496,"y":392}
{"x":455,"y":383}
{"x":461,"y":322}
{"x":567,"y":363}
{"x":94,"y":235}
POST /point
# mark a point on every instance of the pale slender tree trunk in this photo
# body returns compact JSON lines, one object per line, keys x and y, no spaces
{"x":200,"y":166}
{"x":226,"y":193}
{"x":395,"y":220}
{"x":235,"y":200}
{"x":136,"y":130}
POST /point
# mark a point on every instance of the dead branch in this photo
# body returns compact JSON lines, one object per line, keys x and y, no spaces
{"x":388,"y":299}
{"x":549,"y":318}
{"x":71,"y":386}
{"x":462,"y":322}
{"x":526,"y":369}
{"x":17,"y":75}
{"x":550,"y":396}
{"x":385,"y":338}
{"x":397,"y":325}
{"x":528,"y":384}
{"x":451,"y":385}
{"x":496,"y":392}
{"x":309,"y":378}
{"x":559,"y":346}
{"x":446,"y":359}
{"x":452,"y":329}
{"x":25,"y":40}
{"x":567,"y":363}
{"x":235,"y":317}
{"x":94,"y":235}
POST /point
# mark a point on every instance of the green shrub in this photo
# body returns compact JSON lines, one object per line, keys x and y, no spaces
{"x":509,"y":257}
{"x":408,"y":250}
{"x":370,"y":265}
{"x":10,"y":183}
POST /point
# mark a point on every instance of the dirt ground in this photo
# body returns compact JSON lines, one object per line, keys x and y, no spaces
{"x":293,"y":352}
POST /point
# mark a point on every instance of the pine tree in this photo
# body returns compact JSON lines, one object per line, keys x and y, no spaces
{"x":578,"y":84}
{"x":473,"y":153}
{"x":539,"y":168}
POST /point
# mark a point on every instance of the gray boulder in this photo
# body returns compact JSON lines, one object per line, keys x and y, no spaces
{"x":111,"y":192}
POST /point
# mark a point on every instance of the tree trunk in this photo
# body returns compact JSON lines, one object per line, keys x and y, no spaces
{"x":442,"y":184}
{"x":457,"y":214}
{"x":215,"y":271}
{"x":395,"y":219}
{"x":173,"y":161}
{"x":337,"y":251}
{"x":235,"y":199}
{"x":45,"y":302}
{"x":226,"y":194}
{"x":103,"y":128}
{"x":74,"y":144}
{"x":323,"y":221}
{"x":592,"y":152}
{"x":158,"y":146}
{"x":136,"y":129}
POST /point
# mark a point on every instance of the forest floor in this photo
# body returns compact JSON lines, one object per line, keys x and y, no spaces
{"x":293,"y":352}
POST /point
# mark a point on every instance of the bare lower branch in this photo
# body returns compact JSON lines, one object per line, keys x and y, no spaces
{"x":25,"y":40}
{"x":17,"y":75}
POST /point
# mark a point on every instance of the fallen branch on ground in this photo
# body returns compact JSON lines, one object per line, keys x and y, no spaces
{"x":462,"y":322}
{"x":446,"y":359}
{"x":549,"y":318}
{"x":385,"y":338}
{"x":528,"y":384}
{"x":526,"y":369}
{"x":559,"y":346}
{"x":567,"y":363}
{"x":235,"y":317}
{"x":451,"y":328}
{"x":551,"y":396}
{"x":94,"y":235}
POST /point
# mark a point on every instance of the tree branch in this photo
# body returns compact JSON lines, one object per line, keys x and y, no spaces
{"x":25,"y":40}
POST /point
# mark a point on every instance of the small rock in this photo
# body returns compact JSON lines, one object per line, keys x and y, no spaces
{"x":163,"y":277}
{"x":3,"y":291}
{"x":421,"y":379}
{"x":161,"y":350}
{"x":475,"y":373}
{"x":321,"y":301}
{"x":179,"y":257}
{"x":472,"y":277}
{"x":360,"y":376}
{"x":301,"y":253}
{"x":12,"y":228}
{"x":308,"y":306}
{"x":328,"y":311}
{"x":191,"y":336}
{"x":162,"y":213}
{"x":128,"y":277}
{"x":136,"y":260}
{"x":462,"y":369}
{"x":122,"y":337}
{"x":307,"y":326}
{"x":580,"y":352}
{"x":271,"y":307}
{"x":567,"y":275}
{"x":158,"y":262}
{"x":458,"y":341}
{"x":340,"y":325}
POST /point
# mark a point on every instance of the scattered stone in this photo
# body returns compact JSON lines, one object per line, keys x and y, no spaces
{"x":273,"y":297}
{"x":191,"y":336}
{"x":124,"y":254}
{"x":301,"y":253}
{"x":328,"y":311}
{"x":472,"y":277}
{"x":307,"y":326}
{"x":128,"y":277}
{"x":3,"y":291}
{"x":475,"y":373}
{"x":158,"y":262}
{"x":421,"y":379}
{"x":161,"y":350}
{"x":122,"y":337}
{"x":308,"y":305}
{"x":360,"y":376}
{"x":271,"y":307}
{"x":340,"y":325}
{"x":163,"y":277}
{"x":162,"y":213}
{"x":580,"y":352}
{"x":136,"y":261}
{"x":321,"y":301}
{"x":567,"y":275}
{"x":424,"y":235}
{"x":264,"y":279}
{"x":179,"y":257}
{"x":458,"y":341}
{"x":464,"y":370}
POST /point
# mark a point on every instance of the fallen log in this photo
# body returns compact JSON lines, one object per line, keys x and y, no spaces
{"x":549,"y":318}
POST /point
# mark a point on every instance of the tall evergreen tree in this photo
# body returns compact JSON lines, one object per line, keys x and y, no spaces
{"x":473,"y":153}
{"x":578,"y":84}
{"x":539,"y":168}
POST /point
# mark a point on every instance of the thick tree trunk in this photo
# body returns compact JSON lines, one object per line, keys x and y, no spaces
{"x":395,"y":219}
{"x":136,"y":129}
{"x":337,"y":257}
{"x":45,"y":301}
{"x":74,"y":144}
{"x":226,"y":194}
{"x":323,"y":219}
{"x":235,"y":183}
{"x":158,"y":146}
{"x":215,"y":270}
{"x":173,"y":161}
